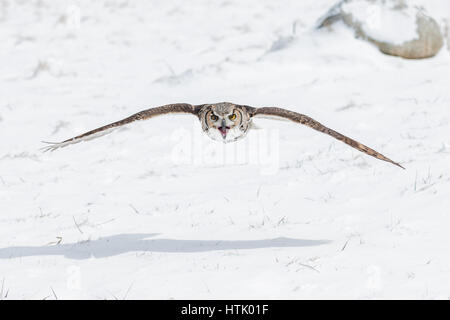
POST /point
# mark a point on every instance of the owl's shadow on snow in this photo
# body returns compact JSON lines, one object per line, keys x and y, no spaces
{"x":139,"y":243}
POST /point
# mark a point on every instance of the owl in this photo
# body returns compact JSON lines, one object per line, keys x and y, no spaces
{"x":225,"y":122}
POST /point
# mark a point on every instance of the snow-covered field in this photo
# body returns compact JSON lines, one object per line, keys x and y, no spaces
{"x":157,"y":210}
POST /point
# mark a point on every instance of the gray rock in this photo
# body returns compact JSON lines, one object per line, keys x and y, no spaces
{"x":427,"y":43}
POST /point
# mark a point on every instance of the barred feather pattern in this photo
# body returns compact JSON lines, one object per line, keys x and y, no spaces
{"x":142,"y":115}
{"x":305,"y":120}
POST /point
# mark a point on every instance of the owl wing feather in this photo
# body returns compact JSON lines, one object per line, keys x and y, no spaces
{"x":142,"y":115}
{"x":305,"y":120}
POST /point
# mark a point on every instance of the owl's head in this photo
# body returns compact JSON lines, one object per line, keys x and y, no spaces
{"x":224,"y":121}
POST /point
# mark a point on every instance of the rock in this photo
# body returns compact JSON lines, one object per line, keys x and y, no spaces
{"x":394,"y":27}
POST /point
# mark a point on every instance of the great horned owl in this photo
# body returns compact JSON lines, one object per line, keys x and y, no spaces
{"x":224,"y":122}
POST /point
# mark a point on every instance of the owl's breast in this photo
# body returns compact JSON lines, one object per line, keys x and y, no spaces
{"x":233,"y":134}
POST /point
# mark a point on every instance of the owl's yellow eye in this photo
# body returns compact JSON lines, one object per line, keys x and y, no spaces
{"x":214,"y":117}
{"x":232,"y":117}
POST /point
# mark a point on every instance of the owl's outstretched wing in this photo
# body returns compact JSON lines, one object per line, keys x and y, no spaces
{"x":143,"y":115}
{"x":302,"y":119}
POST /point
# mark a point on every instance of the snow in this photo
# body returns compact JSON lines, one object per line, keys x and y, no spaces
{"x":158,"y":210}
{"x":378,"y":19}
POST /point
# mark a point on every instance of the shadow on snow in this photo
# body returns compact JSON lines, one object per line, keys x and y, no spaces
{"x":123,"y":243}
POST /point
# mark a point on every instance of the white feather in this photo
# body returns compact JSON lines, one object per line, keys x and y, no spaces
{"x":270,"y":117}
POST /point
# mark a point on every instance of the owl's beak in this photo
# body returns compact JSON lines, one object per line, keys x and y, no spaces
{"x":224,"y":130}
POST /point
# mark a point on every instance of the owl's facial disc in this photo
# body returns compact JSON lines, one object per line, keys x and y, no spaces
{"x":224,"y":122}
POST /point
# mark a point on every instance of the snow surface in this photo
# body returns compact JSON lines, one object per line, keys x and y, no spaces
{"x":157,"y":210}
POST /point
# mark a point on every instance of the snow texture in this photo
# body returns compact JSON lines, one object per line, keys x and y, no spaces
{"x":158,"y":210}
